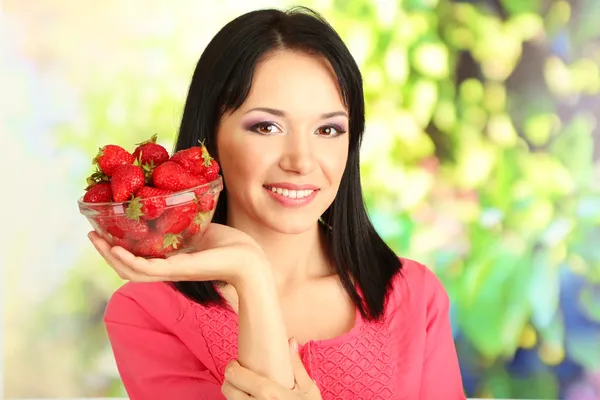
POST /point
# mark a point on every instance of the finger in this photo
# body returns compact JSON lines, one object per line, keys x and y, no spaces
{"x":134,"y":266}
{"x":249,"y":382}
{"x":232,"y":393}
{"x":303,"y":380}
{"x":205,"y":265}
{"x":122,"y":269}
{"x":104,"y":249}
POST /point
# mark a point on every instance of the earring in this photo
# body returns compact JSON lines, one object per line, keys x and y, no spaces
{"x":325,"y":224}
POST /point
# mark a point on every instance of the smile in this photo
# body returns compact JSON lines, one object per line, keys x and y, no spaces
{"x":292,"y":196}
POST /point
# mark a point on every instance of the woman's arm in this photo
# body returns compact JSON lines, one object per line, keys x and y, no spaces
{"x":154,"y":363}
{"x":441,"y":377}
{"x":262,"y":339}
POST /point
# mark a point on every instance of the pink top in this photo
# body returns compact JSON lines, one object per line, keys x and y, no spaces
{"x":168,"y":347}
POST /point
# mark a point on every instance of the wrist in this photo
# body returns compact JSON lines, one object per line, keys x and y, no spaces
{"x":253,"y":275}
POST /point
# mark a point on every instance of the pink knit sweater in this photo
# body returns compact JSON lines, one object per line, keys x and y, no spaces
{"x":167,"y":347}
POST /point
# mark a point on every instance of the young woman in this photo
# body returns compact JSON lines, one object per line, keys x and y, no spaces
{"x":291,"y":293}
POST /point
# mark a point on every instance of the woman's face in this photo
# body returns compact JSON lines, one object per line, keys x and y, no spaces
{"x":283,"y":152}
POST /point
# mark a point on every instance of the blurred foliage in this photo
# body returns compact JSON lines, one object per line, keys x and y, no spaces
{"x":480,"y":159}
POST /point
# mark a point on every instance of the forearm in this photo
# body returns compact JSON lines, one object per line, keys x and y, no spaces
{"x":262,"y":337}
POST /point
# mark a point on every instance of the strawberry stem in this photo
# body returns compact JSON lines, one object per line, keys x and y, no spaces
{"x":200,"y":218}
{"x":95,"y":178}
{"x":96,"y":159}
{"x":206,"y":155}
{"x":171,"y":240}
{"x":134,"y":210}
{"x":151,"y":140}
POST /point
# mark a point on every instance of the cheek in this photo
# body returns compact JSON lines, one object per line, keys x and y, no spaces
{"x":333,"y":162}
{"x":242,"y":159}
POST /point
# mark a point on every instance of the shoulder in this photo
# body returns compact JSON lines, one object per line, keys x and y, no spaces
{"x":416,"y":286}
{"x":146,"y":303}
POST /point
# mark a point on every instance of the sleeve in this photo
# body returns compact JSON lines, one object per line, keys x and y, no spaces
{"x":152,"y":361}
{"x":441,"y":378}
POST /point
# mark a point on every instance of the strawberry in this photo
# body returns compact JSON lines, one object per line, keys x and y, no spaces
{"x":98,"y":193}
{"x":209,"y":165}
{"x":126,"y":243}
{"x":150,"y":153}
{"x":126,"y":180}
{"x":198,"y":161}
{"x":126,"y":228}
{"x":154,"y":202}
{"x":206,"y":202}
{"x":156,"y":245}
{"x":174,"y":177}
{"x":190,"y":159}
{"x":110,"y":157}
{"x":104,"y":221}
{"x":175,"y":220}
{"x":200,"y":221}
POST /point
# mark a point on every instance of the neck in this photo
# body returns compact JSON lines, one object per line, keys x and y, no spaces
{"x":295,"y":258}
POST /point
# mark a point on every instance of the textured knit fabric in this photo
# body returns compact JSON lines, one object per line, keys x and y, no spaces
{"x":167,"y":347}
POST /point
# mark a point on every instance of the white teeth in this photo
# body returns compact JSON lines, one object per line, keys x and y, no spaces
{"x":294,"y":194}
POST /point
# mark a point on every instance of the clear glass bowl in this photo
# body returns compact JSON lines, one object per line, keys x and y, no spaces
{"x":158,"y":226}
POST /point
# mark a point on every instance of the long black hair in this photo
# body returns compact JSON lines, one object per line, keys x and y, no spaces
{"x":221,"y":82}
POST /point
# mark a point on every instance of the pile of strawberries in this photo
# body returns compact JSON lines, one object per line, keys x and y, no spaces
{"x":140,"y":184}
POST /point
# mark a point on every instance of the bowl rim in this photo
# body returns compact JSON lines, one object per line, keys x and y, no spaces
{"x":215,"y":185}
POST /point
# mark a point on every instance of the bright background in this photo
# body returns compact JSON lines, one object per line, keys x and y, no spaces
{"x":481,"y":159}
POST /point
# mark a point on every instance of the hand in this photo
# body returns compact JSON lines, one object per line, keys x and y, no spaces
{"x":222,"y":253}
{"x":241,"y":383}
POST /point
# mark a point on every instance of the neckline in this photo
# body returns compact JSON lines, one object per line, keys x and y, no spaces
{"x":337,"y":340}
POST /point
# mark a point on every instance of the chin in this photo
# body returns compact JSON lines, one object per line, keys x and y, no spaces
{"x":292,"y":226}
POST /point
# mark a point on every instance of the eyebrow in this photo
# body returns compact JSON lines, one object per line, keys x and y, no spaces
{"x":281,"y":113}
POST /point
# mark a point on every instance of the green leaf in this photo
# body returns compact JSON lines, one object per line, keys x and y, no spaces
{"x":493,"y":299}
{"x":543,"y":289}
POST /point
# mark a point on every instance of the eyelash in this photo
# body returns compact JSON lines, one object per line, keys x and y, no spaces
{"x":254,"y":128}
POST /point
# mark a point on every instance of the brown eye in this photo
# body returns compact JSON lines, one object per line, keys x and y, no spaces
{"x":329,"y":131}
{"x":265,"y":128}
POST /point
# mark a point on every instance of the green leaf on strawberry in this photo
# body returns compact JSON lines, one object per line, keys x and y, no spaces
{"x":134,"y":210}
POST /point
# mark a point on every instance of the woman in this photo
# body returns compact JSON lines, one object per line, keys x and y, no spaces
{"x":291,"y":293}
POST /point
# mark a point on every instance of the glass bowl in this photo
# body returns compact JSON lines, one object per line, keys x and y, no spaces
{"x":159,"y":226}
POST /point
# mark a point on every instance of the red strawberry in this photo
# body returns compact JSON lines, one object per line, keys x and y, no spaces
{"x":156,"y":245}
{"x":198,"y":161}
{"x":105,"y":220}
{"x":206,"y":202}
{"x":124,"y":243}
{"x":201,"y":220}
{"x":98,"y":193}
{"x":210,"y":166}
{"x":190,"y":159}
{"x":175,"y":220}
{"x":172,"y":176}
{"x":126,"y":228}
{"x":126,"y":180}
{"x":151,"y":152}
{"x":154,"y":202}
{"x":110,"y":157}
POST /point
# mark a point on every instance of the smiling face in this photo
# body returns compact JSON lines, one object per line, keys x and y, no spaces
{"x":283,"y":152}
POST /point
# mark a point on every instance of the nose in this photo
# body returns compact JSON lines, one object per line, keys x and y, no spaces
{"x":298,"y":156}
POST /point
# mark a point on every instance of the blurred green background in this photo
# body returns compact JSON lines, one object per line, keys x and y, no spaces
{"x":481,"y":159}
